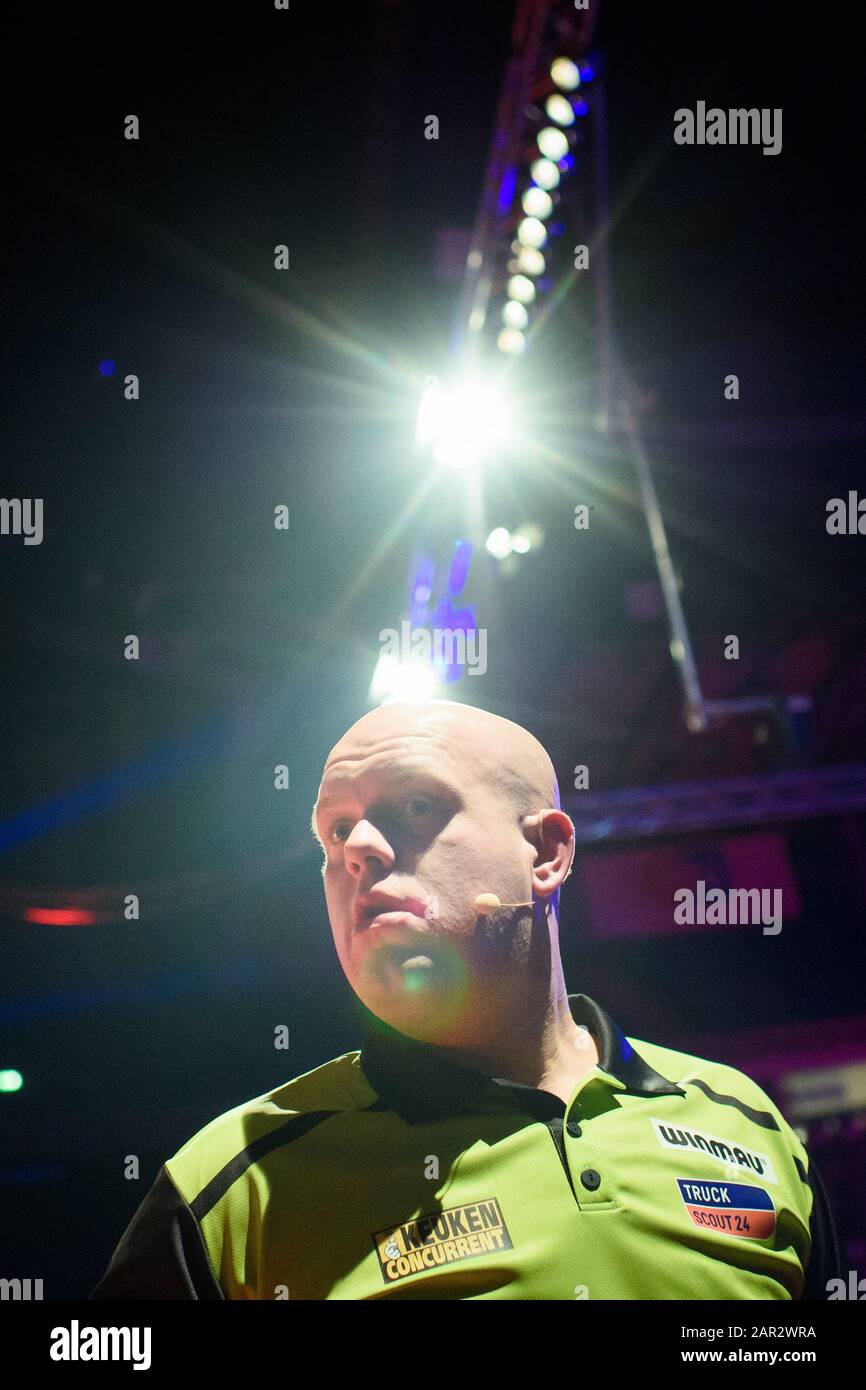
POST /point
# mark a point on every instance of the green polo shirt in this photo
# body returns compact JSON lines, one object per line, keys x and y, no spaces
{"x":393,"y":1172}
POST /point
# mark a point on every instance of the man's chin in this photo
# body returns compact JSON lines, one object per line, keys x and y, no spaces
{"x":418,"y":991}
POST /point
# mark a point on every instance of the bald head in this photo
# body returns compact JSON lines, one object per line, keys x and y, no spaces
{"x":503,"y":754}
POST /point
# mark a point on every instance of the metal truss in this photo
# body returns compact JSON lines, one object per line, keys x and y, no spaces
{"x":642,"y":812}
{"x":534,"y":21}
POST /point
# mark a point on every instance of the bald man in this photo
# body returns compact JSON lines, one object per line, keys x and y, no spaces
{"x":495,"y":1136}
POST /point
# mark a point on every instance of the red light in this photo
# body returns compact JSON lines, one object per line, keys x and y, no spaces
{"x":60,"y":916}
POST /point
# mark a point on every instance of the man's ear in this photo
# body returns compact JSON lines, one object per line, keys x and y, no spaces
{"x":551,"y":832}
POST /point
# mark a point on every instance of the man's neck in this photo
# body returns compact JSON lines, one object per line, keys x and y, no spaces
{"x":548,"y":1051}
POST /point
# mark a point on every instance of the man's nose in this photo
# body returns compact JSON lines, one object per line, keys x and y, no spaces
{"x":366,"y":844}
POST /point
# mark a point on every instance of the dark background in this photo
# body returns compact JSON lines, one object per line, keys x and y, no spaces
{"x":258,"y":388}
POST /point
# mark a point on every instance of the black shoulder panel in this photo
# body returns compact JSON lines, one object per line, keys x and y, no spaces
{"x":825,"y":1260}
{"x":161,"y":1254}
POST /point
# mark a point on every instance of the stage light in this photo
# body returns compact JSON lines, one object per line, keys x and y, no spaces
{"x":565,"y":74}
{"x":537,"y":203}
{"x":499,"y":542}
{"x":60,"y":916}
{"x":529,"y":536}
{"x":462,"y":422}
{"x":11,"y":1080}
{"x":511,"y":340}
{"x":559,"y":109}
{"x":552,"y":142}
{"x":522,"y":289}
{"x":545,"y":173}
{"x":531,"y":232}
{"x":402,"y":680}
{"x":514,"y":315}
{"x":531,"y":262}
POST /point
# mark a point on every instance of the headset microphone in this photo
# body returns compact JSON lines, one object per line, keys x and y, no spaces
{"x":486,"y":903}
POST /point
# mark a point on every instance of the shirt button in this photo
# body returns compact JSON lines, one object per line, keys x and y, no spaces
{"x":573,"y":1128}
{"x":590,"y":1179}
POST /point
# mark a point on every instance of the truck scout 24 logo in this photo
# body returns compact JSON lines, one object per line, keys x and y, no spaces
{"x":751,"y":1160}
{"x":734,"y":1208}
{"x":441,"y":1238}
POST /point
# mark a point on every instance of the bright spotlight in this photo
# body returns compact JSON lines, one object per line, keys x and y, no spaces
{"x":462,"y":422}
{"x":537,"y":203}
{"x":529,"y":536}
{"x":511,"y":340}
{"x":402,"y":680}
{"x":499,"y":542}
{"x":552,"y":142}
{"x":545,"y":173}
{"x":565,"y":74}
{"x":559,"y":109}
{"x":515,"y":315}
{"x":531,"y":232}
{"x":531,"y":262}
{"x":521,"y":289}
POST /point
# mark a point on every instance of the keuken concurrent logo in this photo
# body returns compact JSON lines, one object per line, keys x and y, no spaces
{"x":441,"y":1238}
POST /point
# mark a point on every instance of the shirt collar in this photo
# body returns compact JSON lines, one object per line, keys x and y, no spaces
{"x":418,"y":1081}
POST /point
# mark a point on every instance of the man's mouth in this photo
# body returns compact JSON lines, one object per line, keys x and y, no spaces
{"x":382,"y":909}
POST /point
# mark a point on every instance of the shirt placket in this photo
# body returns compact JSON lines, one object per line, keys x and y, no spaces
{"x":590,"y":1184}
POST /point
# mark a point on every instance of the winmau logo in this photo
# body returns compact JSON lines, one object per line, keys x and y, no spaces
{"x":76,"y":1343}
{"x":676,"y":1137}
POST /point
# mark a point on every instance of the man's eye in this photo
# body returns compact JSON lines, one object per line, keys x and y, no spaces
{"x":416,"y":806}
